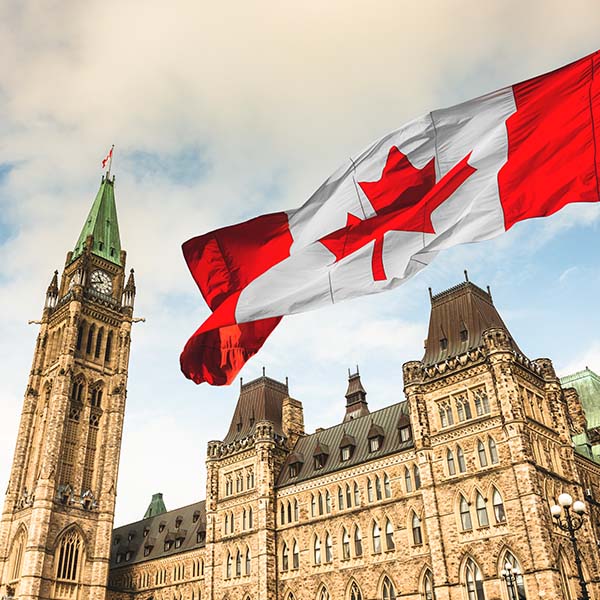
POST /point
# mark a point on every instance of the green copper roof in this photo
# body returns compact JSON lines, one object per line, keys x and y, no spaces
{"x":587,"y":384}
{"x":103,"y":225}
{"x":156,"y":506}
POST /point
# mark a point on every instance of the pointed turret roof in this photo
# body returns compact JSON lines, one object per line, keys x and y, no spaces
{"x":102,"y":223}
{"x":459,"y":316}
{"x":356,"y":397}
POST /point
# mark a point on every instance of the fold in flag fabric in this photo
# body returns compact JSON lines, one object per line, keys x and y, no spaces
{"x":462,"y":174}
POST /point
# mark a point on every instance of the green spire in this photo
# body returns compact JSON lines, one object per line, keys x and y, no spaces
{"x":156,"y":506}
{"x":103,"y":225}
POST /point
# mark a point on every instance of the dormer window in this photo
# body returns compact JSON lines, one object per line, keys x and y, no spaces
{"x":200,"y":537}
{"x":294,"y":470}
{"x":128,"y":555}
{"x":119,"y":557}
{"x":320,"y":455}
{"x":130,"y":536}
{"x":375,"y":437}
{"x":161,"y":527}
{"x":444,"y":344}
{"x":405,"y":433}
{"x":178,"y":542}
{"x":168,"y":545}
{"x":195,"y":516}
{"x":178,"y":522}
{"x":347,"y":445}
{"x":117,"y":540}
{"x":464,"y":334}
{"x":146,"y":531}
{"x":147,"y":550}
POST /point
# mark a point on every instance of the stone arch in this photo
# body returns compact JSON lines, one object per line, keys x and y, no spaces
{"x":471,"y":577}
{"x":17,"y":551}
{"x":323,"y":593}
{"x":70,"y":550}
{"x":387,"y":589}
{"x":353,"y":590}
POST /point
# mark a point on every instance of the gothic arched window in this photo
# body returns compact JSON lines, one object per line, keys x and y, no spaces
{"x":428,"y":592}
{"x":417,"y":477}
{"x":389,"y":535}
{"x":328,"y":549}
{"x":16,"y":556}
{"x":481,"y":453}
{"x":482,"y":514}
{"x":248,"y":561}
{"x":515,"y":586}
{"x":238,"y":564}
{"x":229,"y":566}
{"x":340,"y":498}
{"x":474,"y":581}
{"x":90,"y":339}
{"x":345,"y":544}
{"x":378,"y":493}
{"x":388,"y":591}
{"x":69,"y":557}
{"x":387,"y":485}
{"x":465,"y":514}
{"x":450,"y":462}
{"x":295,"y":556}
{"x":407,"y":480}
{"x":355,"y":593}
{"x":296,"y":510}
{"x":356,"y":495}
{"x":417,"y":531}
{"x":462,"y":465}
{"x":357,"y":541}
{"x":99,"y":342}
{"x":317,"y":550}
{"x":323,"y":594}
{"x":498,"y":506}
{"x":376,"y":534}
{"x":284,"y":557}
{"x":370,"y":495}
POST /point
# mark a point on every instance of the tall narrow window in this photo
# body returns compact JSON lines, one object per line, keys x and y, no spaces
{"x":328,"y":549}
{"x":99,"y":342}
{"x":313,"y":506}
{"x":407,"y":480}
{"x":16,"y":557}
{"x":417,"y":477}
{"x":355,"y":593}
{"x":376,"y":539}
{"x":417,"y":530}
{"x":370,"y":495}
{"x":345,"y":544}
{"x":324,"y":594}
{"x":296,"y":510}
{"x":70,"y":557}
{"x":493,"y":451}
{"x":482,"y":404}
{"x":428,"y":593}
{"x":450,"y":462}
{"x":295,"y":556}
{"x":108,"y":349}
{"x":250,"y":518}
{"x":498,"y":506}
{"x":387,"y":486}
{"x":348,"y":496}
{"x":317,"y":550}
{"x":465,"y":515}
{"x":281,"y":514}
{"x":462,"y":465}
{"x":356,"y":495}
{"x":284,"y":557}
{"x":378,"y":492}
{"x":238,"y":564}
{"x":389,"y":536}
{"x":320,"y":503}
{"x":474,"y":581}
{"x":327,"y":502}
{"x":388,"y":591}
{"x":515,"y":586}
{"x":289,"y":511}
{"x":340,"y":498}
{"x":90,"y":339}
{"x":80,"y":332}
{"x":229,"y":566}
{"x":357,"y":541}
{"x":481,"y":453}
{"x":482,"y":514}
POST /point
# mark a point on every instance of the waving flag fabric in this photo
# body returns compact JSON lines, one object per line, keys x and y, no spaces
{"x":461,"y":174}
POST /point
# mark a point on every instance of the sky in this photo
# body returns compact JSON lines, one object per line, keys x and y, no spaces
{"x":223,"y":111}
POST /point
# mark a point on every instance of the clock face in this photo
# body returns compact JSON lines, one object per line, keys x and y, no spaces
{"x":101,"y":282}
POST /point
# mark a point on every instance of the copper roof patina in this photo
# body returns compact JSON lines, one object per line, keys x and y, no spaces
{"x":459,"y":316}
{"x":158,"y":536}
{"x":385,"y":421}
{"x":587,"y":384}
{"x":103,"y":225}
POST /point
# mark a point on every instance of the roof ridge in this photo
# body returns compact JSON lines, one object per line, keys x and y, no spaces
{"x":159,"y":515}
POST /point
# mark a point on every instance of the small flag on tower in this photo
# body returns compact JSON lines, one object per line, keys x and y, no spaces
{"x":108,"y":158}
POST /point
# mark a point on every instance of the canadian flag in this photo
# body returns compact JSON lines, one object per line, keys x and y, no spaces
{"x":462,"y":174}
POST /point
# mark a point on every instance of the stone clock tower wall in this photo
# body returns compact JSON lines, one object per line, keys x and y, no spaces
{"x":58,"y":513}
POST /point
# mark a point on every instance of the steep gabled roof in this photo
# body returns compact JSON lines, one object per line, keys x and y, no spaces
{"x":103,"y":225}
{"x":259,"y":400}
{"x":459,"y":316}
{"x":159,"y":529}
{"x":386,"y":421}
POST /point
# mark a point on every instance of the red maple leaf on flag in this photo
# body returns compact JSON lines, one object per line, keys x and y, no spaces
{"x":403,"y":199}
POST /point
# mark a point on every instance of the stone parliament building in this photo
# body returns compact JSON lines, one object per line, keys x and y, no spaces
{"x":426,"y":499}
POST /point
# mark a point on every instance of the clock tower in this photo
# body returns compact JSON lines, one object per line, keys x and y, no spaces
{"x":57,"y":520}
